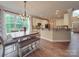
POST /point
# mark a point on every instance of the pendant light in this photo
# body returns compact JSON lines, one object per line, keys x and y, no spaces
{"x":24,"y":15}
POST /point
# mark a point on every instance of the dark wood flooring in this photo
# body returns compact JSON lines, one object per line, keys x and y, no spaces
{"x":51,"y":49}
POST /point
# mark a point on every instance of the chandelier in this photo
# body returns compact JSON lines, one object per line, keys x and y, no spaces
{"x":24,"y":14}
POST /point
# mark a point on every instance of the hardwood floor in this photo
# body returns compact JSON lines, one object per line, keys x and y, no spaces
{"x":49,"y":49}
{"x":74,"y":45}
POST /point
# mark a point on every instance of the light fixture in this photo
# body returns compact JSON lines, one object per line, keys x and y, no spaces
{"x":24,"y":14}
{"x":57,"y":12}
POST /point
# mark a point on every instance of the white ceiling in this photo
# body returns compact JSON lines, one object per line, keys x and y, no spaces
{"x":40,"y":8}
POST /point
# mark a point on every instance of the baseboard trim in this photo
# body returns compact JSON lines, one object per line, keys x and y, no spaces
{"x":51,"y":40}
{"x":46,"y":39}
{"x":61,"y":40}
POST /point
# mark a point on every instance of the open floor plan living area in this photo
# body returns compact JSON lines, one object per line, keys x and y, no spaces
{"x":39,"y":28}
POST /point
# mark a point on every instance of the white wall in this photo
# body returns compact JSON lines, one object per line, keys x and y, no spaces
{"x":2,"y":26}
{"x":66,"y":19}
{"x":35,"y":21}
{"x":59,"y":22}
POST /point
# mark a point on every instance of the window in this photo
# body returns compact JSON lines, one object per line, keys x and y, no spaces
{"x":26,"y":23}
{"x":9,"y":19}
{"x":19,"y":23}
{"x":14,"y":23}
{"x":75,"y":13}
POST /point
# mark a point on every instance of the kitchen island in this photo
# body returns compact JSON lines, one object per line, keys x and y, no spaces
{"x":56,"y":35}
